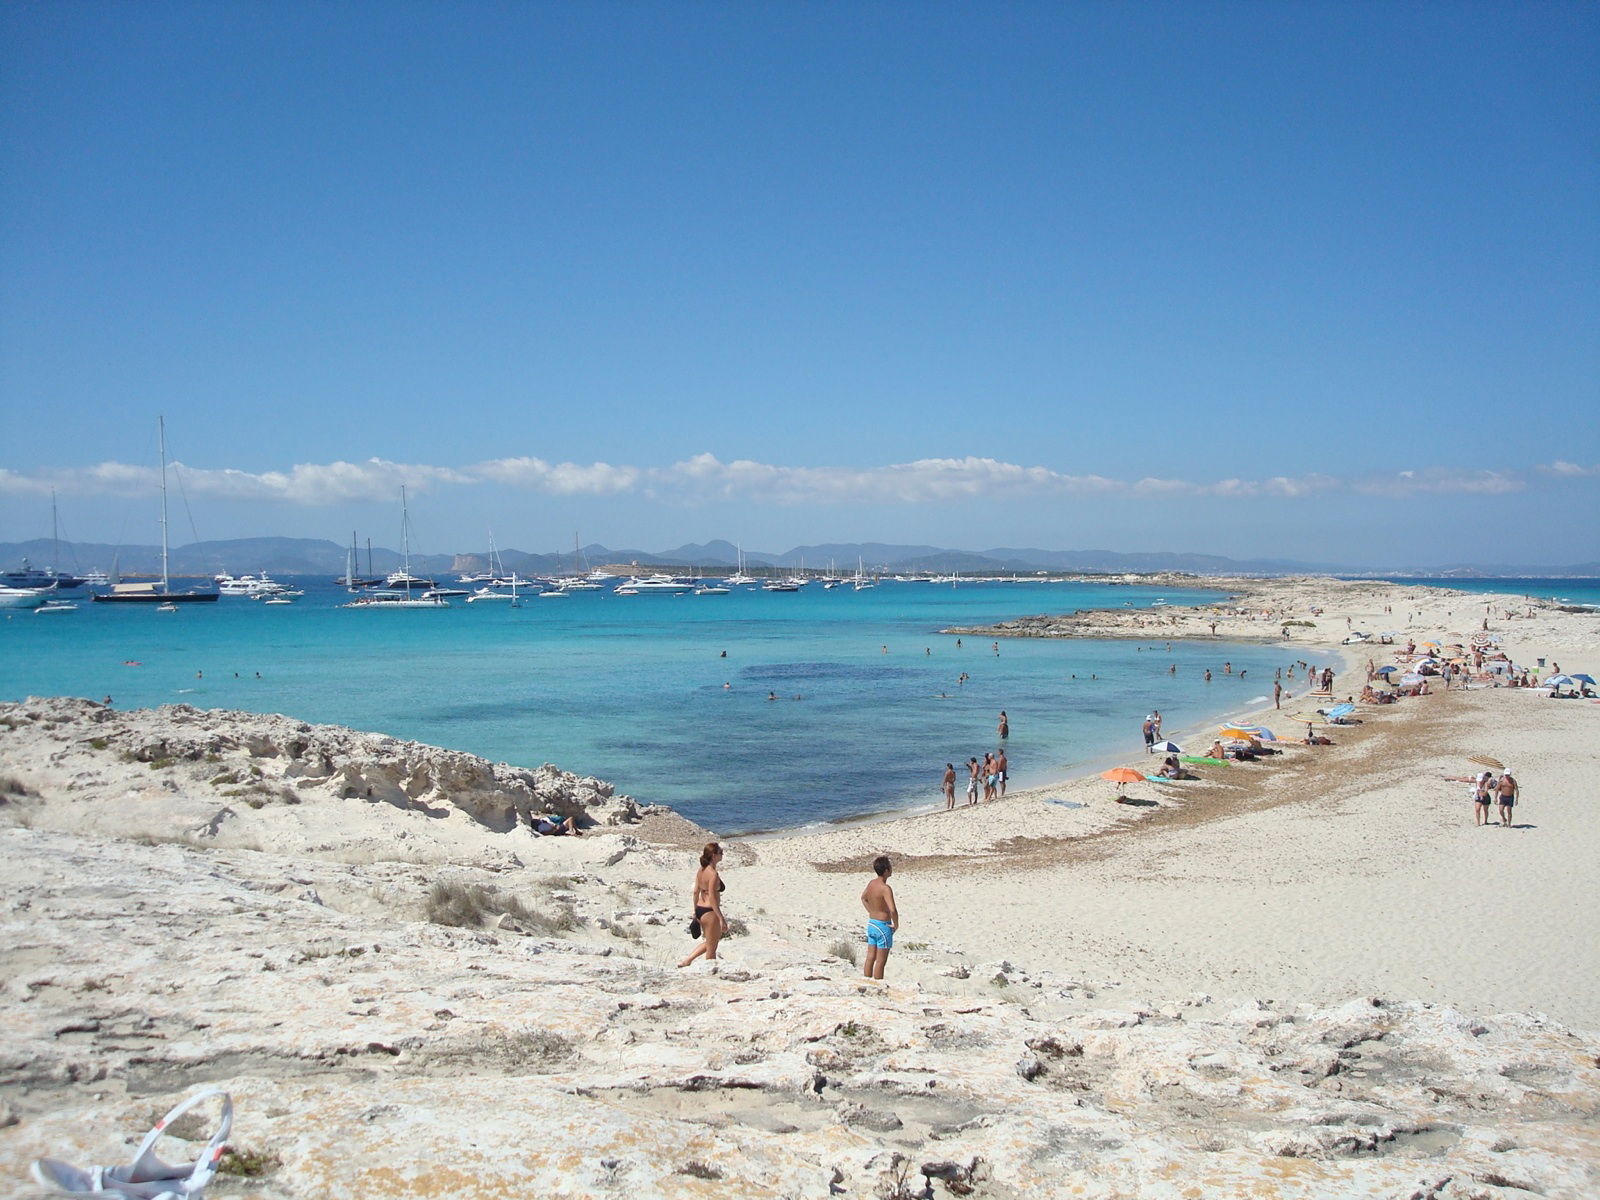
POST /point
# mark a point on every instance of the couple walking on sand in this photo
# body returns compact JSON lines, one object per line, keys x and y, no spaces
{"x":1486,"y":790}
{"x":709,"y":925}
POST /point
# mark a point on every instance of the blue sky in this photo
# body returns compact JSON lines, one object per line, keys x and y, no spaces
{"x":1318,"y":280}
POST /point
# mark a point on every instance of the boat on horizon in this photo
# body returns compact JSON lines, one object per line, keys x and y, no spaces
{"x":152,"y":593}
{"x":402,"y":589}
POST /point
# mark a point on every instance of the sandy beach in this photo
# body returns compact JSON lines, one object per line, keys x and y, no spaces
{"x":1309,"y":976}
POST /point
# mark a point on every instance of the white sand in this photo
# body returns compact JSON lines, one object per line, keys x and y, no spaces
{"x":1340,"y":870}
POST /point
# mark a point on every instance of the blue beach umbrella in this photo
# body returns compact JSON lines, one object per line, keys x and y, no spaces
{"x":1387,"y":670}
{"x":1582,"y":678}
{"x":1557,"y":681}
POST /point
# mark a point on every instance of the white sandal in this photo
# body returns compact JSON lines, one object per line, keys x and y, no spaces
{"x":147,"y":1177}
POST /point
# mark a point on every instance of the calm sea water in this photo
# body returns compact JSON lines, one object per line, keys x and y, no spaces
{"x":1567,"y":591}
{"x":636,"y":689}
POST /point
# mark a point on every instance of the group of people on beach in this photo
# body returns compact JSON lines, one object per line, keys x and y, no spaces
{"x":710,"y":926}
{"x":988,"y":775}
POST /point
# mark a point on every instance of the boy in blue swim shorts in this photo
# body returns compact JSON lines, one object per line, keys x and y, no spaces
{"x":883,"y":918}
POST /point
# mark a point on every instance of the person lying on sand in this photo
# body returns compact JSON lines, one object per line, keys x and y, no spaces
{"x":550,"y":825}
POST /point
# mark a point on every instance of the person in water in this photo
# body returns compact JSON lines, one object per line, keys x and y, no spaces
{"x":707,"y":923}
{"x":883,"y":918}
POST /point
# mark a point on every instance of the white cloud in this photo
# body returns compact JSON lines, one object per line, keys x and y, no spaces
{"x":705,"y":478}
{"x":1439,"y":481}
{"x":1567,"y":470}
{"x":561,"y":479}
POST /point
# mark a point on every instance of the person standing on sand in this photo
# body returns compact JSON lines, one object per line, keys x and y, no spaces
{"x":883,"y":918}
{"x":1149,"y":735}
{"x":972,"y":780}
{"x":1000,"y":770}
{"x":1155,"y":719}
{"x":988,"y":777}
{"x":949,"y":785}
{"x":1508,"y":793}
{"x":1005,"y":726}
{"x":1481,"y":791}
{"x":707,"y":923}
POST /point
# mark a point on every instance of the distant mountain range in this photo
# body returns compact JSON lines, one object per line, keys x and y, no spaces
{"x":312,"y":556}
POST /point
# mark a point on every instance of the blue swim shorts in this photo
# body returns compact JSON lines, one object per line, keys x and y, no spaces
{"x":880,"y":934}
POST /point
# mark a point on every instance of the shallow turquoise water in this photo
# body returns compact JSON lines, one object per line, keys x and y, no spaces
{"x":1568,"y":591}
{"x":631,"y":689}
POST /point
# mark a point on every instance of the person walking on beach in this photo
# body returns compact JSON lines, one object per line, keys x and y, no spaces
{"x":949,"y":785}
{"x":1507,"y":791}
{"x":1277,"y":694}
{"x":883,"y":918}
{"x":1149,"y":735}
{"x":1482,"y":790}
{"x":1000,"y":770}
{"x":707,"y":923}
{"x":1155,"y":719}
{"x":972,"y":780}
{"x":1005,"y":726}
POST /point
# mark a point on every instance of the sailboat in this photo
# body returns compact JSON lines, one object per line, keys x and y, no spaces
{"x":402,"y":589}
{"x":862,"y":582}
{"x":54,"y":579}
{"x":150,"y":593}
{"x":739,"y":578}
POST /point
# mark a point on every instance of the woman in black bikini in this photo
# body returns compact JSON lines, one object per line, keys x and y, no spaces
{"x":708,"y":924}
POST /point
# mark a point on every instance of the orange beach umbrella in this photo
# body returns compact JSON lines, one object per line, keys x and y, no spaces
{"x":1122,"y":776}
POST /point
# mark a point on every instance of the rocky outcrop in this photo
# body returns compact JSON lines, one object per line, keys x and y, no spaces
{"x":374,"y":1054}
{"x":258,"y":761}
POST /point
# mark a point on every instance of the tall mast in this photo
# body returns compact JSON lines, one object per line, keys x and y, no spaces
{"x":166,"y":585}
{"x":405,"y":536}
{"x":55,"y":535}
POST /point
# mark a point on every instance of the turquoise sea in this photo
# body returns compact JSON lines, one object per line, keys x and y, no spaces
{"x":1575,"y":591}
{"x":635,"y":689}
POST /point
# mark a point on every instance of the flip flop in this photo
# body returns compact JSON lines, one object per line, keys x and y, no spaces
{"x":147,"y":1177}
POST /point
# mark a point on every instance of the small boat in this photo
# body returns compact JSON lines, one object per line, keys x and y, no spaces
{"x":56,"y":606}
{"x":169,"y":606}
{"x":277,"y":600}
{"x":712,"y":590}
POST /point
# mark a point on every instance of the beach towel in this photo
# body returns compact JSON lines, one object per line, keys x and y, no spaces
{"x":147,"y":1177}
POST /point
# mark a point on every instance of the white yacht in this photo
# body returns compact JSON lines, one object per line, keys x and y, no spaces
{"x":15,"y":597}
{"x":664,"y":585}
{"x":249,"y":585}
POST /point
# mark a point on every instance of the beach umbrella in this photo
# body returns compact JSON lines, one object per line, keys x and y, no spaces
{"x":1557,"y":681}
{"x":1341,"y":710}
{"x":1580,"y":677}
{"x":1167,"y":748}
{"x":1412,"y":678}
{"x":1483,"y":760}
{"x":1122,"y":777}
{"x":1389,"y":670}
